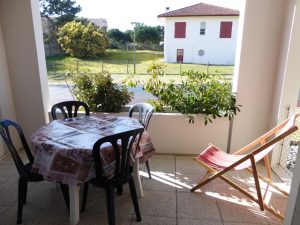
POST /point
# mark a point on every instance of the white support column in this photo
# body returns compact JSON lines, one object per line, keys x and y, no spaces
{"x":257,"y":66}
{"x":289,"y":96}
{"x":288,"y":83}
{"x":22,"y":38}
{"x":7,"y":109}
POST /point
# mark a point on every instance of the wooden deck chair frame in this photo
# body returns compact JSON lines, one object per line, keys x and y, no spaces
{"x":262,"y":142}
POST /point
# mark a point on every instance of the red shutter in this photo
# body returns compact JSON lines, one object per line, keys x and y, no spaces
{"x":180,"y":29}
{"x":225,"y":29}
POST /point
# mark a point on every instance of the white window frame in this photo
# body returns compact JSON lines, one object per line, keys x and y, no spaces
{"x":202,"y":28}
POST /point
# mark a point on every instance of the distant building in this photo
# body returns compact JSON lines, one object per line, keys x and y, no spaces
{"x":201,"y":34}
{"x":100,"y":22}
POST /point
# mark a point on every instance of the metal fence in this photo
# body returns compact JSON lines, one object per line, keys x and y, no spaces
{"x":289,"y":147}
{"x":127,"y":67}
{"x":52,"y":49}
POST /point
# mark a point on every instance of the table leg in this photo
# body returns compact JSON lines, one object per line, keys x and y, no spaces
{"x":74,"y":204}
{"x":137,"y":178}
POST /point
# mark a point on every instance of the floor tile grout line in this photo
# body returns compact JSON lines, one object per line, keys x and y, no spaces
{"x":222,"y":220}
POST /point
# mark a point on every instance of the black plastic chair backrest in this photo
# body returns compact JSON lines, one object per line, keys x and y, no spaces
{"x":69,"y":109}
{"x":122,"y":144}
{"x":5,"y":131}
{"x":145,"y":111}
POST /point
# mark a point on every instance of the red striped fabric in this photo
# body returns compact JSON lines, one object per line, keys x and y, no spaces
{"x":219,"y":160}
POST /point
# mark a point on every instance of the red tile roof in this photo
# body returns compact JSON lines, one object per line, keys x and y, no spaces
{"x":201,"y":9}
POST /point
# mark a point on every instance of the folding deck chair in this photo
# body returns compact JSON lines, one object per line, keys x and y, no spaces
{"x":218,"y":162}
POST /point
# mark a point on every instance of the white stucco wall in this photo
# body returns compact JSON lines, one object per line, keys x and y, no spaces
{"x":6,"y":97}
{"x":217,"y":50}
{"x":173,"y":134}
{"x":258,"y":65}
{"x":290,"y":79}
{"x":288,"y":82}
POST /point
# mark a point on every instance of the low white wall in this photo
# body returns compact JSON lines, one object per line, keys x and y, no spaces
{"x":172,"y":134}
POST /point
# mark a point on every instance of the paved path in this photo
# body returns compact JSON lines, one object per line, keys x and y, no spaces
{"x":61,"y":92}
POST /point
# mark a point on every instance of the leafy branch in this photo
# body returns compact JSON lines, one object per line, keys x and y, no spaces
{"x":198,"y":93}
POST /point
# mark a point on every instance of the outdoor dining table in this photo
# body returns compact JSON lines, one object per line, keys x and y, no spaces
{"x":63,"y":152}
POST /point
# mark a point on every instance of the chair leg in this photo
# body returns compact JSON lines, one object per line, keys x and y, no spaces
{"x":201,"y":182}
{"x":25,"y":192}
{"x":258,"y":190}
{"x":65,"y":191}
{"x":84,"y":196}
{"x":266,"y":206}
{"x":110,"y":204}
{"x":120,"y":189}
{"x":266,"y":180}
{"x":267,"y":167}
{"x":148,"y":169}
{"x":134,"y":199}
{"x":202,"y":179}
{"x":21,"y":198}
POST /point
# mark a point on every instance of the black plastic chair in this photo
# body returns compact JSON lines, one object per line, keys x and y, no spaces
{"x":145,"y":111}
{"x":24,"y":170}
{"x":69,"y":109}
{"x":123,"y":170}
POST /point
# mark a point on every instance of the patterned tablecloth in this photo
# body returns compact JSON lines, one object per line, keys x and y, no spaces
{"x":63,"y":148}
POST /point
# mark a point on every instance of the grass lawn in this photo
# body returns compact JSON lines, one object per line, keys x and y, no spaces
{"x":120,"y":63}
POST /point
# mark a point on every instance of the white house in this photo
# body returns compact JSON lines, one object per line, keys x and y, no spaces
{"x":201,"y":34}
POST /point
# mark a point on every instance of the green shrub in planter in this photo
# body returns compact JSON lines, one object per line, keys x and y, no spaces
{"x":198,"y":93}
{"x":99,"y":91}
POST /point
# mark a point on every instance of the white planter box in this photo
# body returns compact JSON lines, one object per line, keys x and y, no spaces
{"x":171,"y":133}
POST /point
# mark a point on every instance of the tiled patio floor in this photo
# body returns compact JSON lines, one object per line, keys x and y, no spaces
{"x":167,"y":199}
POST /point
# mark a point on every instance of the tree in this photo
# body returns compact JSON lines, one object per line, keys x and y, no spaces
{"x":82,"y":41}
{"x":161,"y":31}
{"x":119,"y":39}
{"x":59,"y":12}
{"x":147,"y":34}
{"x":128,"y":35}
{"x":116,"y":35}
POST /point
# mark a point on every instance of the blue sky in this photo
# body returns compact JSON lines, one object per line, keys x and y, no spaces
{"x":120,"y":13}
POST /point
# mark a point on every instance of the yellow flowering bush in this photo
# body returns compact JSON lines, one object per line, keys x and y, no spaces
{"x":82,"y":41}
